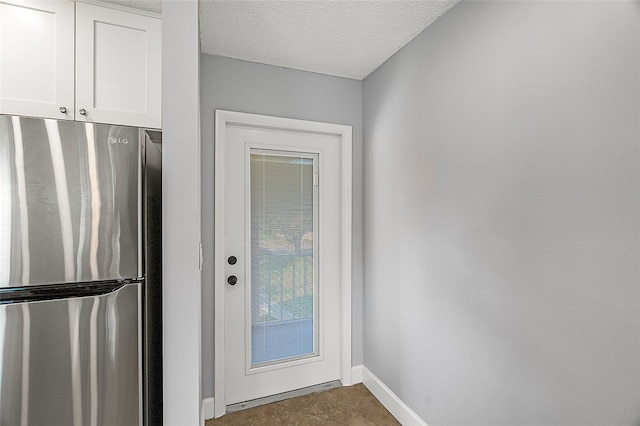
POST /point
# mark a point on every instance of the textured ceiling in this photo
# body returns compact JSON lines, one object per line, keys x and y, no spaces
{"x":345,"y":38}
{"x":341,"y":38}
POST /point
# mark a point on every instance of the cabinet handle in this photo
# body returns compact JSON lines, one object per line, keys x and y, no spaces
{"x":63,"y":110}
{"x":82,"y":111}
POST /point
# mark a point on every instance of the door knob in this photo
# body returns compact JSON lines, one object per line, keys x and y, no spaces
{"x":232,"y":279}
{"x":232,"y":260}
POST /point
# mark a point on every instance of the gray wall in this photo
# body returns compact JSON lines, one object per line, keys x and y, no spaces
{"x":236,"y":85}
{"x":501,"y":206}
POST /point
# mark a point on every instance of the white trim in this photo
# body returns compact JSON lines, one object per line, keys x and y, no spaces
{"x":401,"y":411}
{"x":208,"y":408}
{"x":121,"y":8}
{"x":218,"y":273}
{"x":222,"y":120}
{"x":356,"y":374}
{"x":346,"y":234}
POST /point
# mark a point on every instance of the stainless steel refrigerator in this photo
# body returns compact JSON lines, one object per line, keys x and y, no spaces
{"x":80,"y":274}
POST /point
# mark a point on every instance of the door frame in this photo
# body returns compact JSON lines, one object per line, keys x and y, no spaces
{"x":223,"y":119}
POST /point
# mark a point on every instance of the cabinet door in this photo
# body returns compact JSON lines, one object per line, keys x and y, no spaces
{"x":117,"y":67}
{"x":36,"y":58}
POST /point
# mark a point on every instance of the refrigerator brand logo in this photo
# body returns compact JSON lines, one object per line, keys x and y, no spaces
{"x":113,"y":140}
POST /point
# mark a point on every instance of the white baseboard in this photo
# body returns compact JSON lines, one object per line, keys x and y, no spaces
{"x":208,"y":408}
{"x":356,"y":374}
{"x":401,"y":411}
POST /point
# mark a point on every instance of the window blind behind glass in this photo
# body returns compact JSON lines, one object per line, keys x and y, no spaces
{"x":282,"y":273}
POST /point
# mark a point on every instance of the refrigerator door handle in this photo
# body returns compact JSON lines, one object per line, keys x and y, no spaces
{"x":39,"y":293}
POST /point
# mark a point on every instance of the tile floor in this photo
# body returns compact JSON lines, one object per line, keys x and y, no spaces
{"x":343,"y":406}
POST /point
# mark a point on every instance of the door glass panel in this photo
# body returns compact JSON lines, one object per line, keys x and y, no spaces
{"x":283,"y":218}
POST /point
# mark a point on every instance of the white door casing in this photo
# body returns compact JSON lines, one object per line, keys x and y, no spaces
{"x":238,"y":135}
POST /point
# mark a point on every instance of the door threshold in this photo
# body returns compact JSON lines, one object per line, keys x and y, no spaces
{"x":282,"y":396}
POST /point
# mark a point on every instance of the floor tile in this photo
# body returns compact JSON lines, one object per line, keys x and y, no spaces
{"x":309,"y":420}
{"x":301,"y":403}
{"x":281,"y":416}
{"x":342,"y":406}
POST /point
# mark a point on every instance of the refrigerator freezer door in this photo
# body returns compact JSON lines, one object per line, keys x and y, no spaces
{"x":69,"y":201}
{"x":72,"y":362}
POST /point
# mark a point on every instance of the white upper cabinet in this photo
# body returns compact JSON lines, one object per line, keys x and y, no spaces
{"x":114,"y":77}
{"x":36,"y":58}
{"x":117,"y":67}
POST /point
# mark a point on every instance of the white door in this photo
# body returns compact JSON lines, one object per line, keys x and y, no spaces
{"x":282,"y":259}
{"x":117,"y":67}
{"x":36,"y":58}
